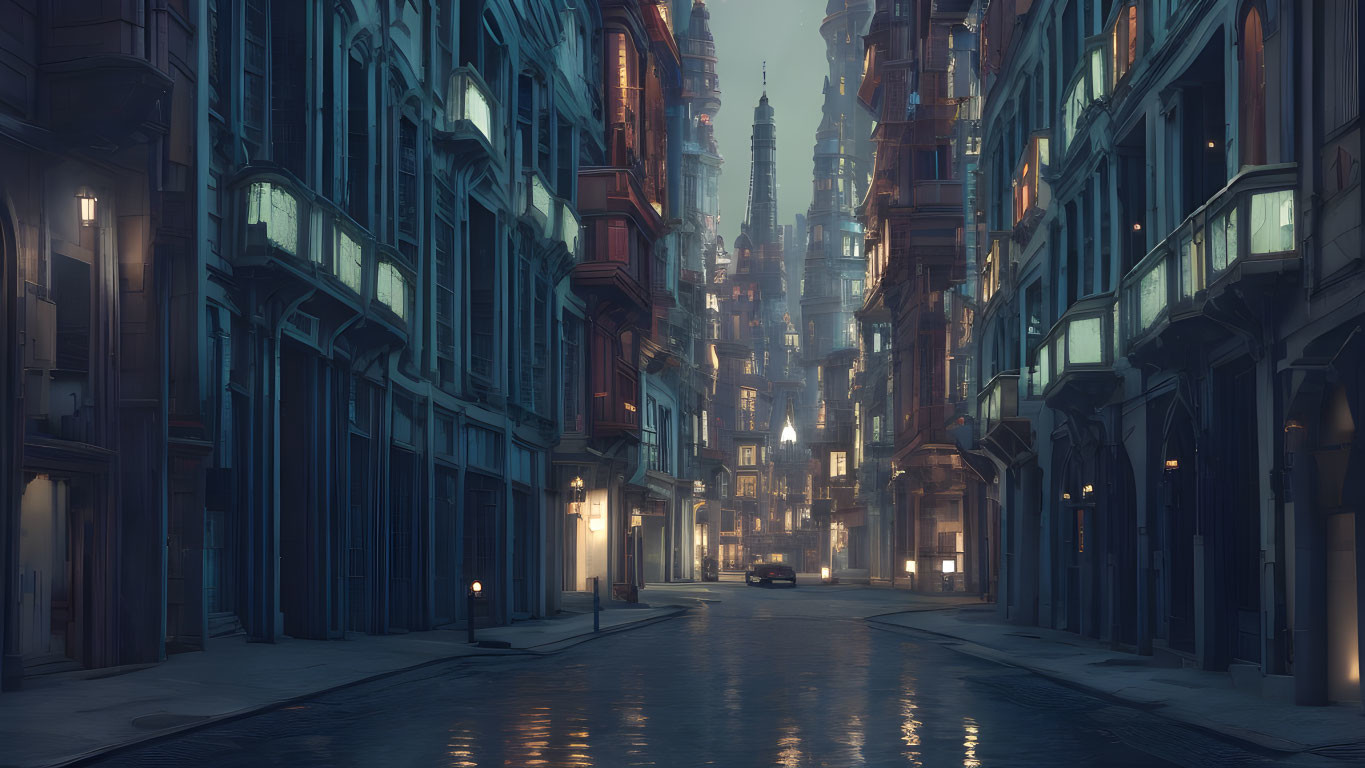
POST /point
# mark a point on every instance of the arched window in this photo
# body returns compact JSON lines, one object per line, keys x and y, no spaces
{"x":1251,"y":84}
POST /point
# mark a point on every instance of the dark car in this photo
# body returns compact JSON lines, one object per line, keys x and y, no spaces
{"x":767,"y":573}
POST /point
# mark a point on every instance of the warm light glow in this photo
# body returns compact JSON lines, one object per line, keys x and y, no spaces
{"x":1172,"y":463}
{"x":476,"y":587}
{"x":576,"y":483}
{"x":1211,"y":145}
{"x":949,"y":566}
{"x":1066,"y":496}
{"x":788,"y":432}
{"x":1087,"y":489}
{"x":909,"y":566}
{"x":1137,"y":226}
{"x":824,"y":572}
{"x":596,"y":524}
{"x":87,"y":203}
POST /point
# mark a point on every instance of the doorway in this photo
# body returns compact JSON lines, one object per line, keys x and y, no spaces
{"x":57,"y":573}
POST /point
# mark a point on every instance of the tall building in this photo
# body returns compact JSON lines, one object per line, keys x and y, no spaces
{"x":913,"y":217}
{"x":832,"y":288}
{"x":285,"y":290}
{"x":699,"y":243}
{"x":101,"y":462}
{"x":1170,"y":369}
{"x":622,"y":200}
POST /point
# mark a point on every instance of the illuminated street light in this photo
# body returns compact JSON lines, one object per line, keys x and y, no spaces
{"x":950,"y":566}
{"x":824,"y":573}
{"x":910,"y":567}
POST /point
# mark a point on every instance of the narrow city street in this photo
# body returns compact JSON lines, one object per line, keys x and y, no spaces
{"x":750,"y":676}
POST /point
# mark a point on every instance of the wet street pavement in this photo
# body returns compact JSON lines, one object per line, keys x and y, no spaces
{"x":748,"y":677}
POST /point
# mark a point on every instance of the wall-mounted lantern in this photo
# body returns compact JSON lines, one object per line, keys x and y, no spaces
{"x":1172,"y":464}
{"x":87,"y":200}
{"x":576,"y":486}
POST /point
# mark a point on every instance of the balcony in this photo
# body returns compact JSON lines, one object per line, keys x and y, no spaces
{"x":615,"y":414}
{"x":1076,"y":359}
{"x":1244,"y":234}
{"x":1032,"y":195}
{"x":1000,"y":430}
{"x":288,"y":231}
{"x":472,"y":128}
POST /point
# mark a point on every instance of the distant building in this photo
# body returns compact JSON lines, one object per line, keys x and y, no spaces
{"x":913,"y":218}
{"x":832,"y":288}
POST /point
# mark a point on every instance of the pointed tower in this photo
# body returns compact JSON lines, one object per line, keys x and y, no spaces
{"x":761,"y":224}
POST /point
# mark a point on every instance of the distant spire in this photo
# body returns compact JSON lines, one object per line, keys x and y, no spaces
{"x":765,"y":75}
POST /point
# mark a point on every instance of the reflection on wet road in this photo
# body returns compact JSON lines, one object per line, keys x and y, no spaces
{"x":764,"y":678}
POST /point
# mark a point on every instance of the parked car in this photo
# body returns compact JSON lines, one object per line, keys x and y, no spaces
{"x":767,"y":573}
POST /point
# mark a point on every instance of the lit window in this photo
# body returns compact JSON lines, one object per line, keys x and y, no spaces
{"x":349,"y":263}
{"x":838,"y":464}
{"x":747,"y":456}
{"x":746,"y":486}
{"x":1252,"y":89}
{"x":274,"y":207}
{"x":391,"y":289}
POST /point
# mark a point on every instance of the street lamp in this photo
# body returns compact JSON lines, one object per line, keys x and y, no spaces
{"x":576,"y":485}
{"x":475,"y":592}
{"x":86,"y":197}
{"x":949,"y":568}
{"x":910,"y":570}
{"x":824,"y":574}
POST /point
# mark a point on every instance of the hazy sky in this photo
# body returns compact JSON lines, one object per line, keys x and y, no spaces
{"x":785,"y":33}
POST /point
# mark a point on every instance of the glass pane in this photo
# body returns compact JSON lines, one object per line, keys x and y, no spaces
{"x":1232,"y":236}
{"x":477,"y":110}
{"x":1151,"y":296}
{"x":1218,"y":246}
{"x":1044,"y":369}
{"x":1186,"y":267}
{"x":348,"y":261}
{"x":1272,"y":221}
{"x":1084,"y":340}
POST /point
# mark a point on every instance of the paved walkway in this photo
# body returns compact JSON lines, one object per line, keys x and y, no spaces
{"x":1202,"y":699}
{"x":58,"y":719}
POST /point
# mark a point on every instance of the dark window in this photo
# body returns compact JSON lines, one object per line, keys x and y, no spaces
{"x":407,"y":178}
{"x":540,"y":380}
{"x":573,"y":374}
{"x":444,"y":236}
{"x":288,"y":68}
{"x":357,"y":140}
{"x":482,"y":280}
{"x":254,"y":64}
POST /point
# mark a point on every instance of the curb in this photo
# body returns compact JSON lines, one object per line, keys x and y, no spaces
{"x":1281,"y":746}
{"x":563,"y":644}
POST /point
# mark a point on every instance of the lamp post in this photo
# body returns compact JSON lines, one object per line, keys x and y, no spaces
{"x":475,"y":592}
{"x":949,"y":568}
{"x":910,"y":572}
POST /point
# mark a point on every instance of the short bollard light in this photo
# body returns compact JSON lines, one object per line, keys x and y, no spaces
{"x":910,"y":572}
{"x":475,"y":592}
{"x":824,"y":573}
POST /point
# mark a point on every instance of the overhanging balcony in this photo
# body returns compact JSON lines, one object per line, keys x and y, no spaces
{"x":288,"y":232}
{"x":1000,"y":429}
{"x":1245,"y":234}
{"x":1076,"y":359}
{"x":472,"y":127}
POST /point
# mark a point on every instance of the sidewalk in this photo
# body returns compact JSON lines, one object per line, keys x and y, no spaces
{"x":61,"y":718}
{"x":1205,"y":700}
